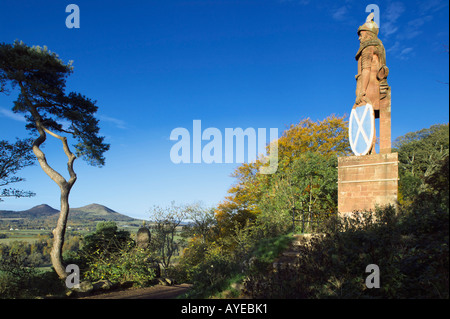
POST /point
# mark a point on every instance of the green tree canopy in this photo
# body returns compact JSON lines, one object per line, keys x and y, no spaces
{"x":420,"y":156}
{"x":14,"y":157}
{"x":301,"y":147}
{"x":40,"y":77}
{"x":307,"y":186}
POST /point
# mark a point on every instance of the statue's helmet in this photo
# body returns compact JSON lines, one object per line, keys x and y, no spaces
{"x":370,"y":25}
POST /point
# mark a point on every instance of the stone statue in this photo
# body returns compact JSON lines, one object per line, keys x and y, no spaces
{"x":371,"y":80}
{"x":143,"y":237}
{"x":368,"y":180}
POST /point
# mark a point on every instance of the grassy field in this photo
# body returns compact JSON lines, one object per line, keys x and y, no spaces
{"x":26,"y":235}
{"x":31,"y":235}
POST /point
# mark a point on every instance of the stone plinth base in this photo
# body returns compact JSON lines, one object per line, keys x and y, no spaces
{"x":365,"y":182}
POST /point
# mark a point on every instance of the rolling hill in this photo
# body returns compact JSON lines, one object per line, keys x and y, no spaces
{"x":97,"y":212}
{"x":92,"y":212}
{"x":37,"y":212}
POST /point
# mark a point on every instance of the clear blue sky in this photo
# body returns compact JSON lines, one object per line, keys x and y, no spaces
{"x":154,"y":66}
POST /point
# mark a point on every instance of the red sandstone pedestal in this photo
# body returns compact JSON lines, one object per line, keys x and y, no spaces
{"x":365,"y":182}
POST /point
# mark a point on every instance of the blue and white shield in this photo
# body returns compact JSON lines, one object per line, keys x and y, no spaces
{"x":362,"y":129}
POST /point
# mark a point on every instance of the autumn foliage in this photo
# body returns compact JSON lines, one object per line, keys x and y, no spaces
{"x":248,"y":196}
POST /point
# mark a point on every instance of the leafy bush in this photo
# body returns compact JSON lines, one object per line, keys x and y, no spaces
{"x":420,"y":154}
{"x":410,"y":248}
{"x":15,"y":278}
{"x":213,"y":267}
{"x":110,"y":254}
{"x":134,"y":264}
{"x":213,"y":272}
{"x":409,"y":244}
{"x":267,"y":249}
{"x":107,"y":239}
{"x":20,"y":281}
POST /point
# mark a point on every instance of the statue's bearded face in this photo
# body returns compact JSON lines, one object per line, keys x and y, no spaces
{"x":364,"y":36}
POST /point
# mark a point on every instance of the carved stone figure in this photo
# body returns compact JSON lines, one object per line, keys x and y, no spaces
{"x":143,"y":237}
{"x":371,"y":80}
{"x":367,"y":180}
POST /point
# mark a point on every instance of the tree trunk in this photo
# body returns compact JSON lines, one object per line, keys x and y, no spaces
{"x":58,"y":235}
{"x":65,"y":186}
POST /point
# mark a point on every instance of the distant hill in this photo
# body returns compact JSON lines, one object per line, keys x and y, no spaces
{"x":97,"y":212}
{"x":92,"y":212}
{"x":40,"y":211}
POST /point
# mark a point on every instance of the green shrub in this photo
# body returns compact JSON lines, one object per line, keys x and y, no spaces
{"x":212,"y":274}
{"x":409,"y":245}
{"x":212,"y":268}
{"x":20,"y":281}
{"x":136,"y":265}
{"x":410,"y":248}
{"x":267,"y":249}
{"x":15,"y":278}
{"x":107,"y":239}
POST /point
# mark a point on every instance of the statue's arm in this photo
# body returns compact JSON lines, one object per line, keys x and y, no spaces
{"x":365,"y":77}
{"x":366,"y":66}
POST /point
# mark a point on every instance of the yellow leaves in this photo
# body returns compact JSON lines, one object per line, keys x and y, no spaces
{"x":326,"y":137}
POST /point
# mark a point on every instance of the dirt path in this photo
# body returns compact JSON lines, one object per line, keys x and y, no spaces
{"x":155,"y":292}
